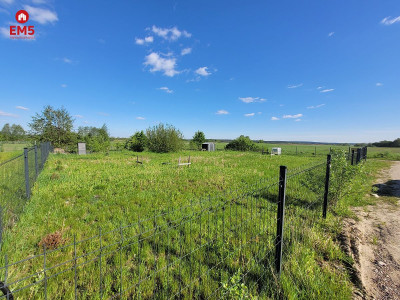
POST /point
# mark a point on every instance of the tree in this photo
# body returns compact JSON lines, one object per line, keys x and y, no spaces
{"x":137,"y":142}
{"x":164,"y":138}
{"x":53,"y":125}
{"x":242,"y":143}
{"x":17,"y":132}
{"x":198,"y":139}
{"x":6,"y":132}
{"x":14,"y":132}
{"x":96,"y":139}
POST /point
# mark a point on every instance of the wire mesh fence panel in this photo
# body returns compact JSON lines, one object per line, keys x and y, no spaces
{"x":192,"y":251}
{"x":16,"y":175}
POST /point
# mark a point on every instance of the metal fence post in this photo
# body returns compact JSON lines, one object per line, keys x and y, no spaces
{"x":365,"y":153}
{"x":352,"y":157}
{"x":280,"y":219}
{"x":27,"y":186}
{"x":327,"y":176}
{"x":36,"y":162}
{"x":358,"y":159}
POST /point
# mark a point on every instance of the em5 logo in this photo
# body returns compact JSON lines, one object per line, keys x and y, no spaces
{"x":22,"y":32}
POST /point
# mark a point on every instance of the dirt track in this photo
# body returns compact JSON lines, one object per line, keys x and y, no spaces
{"x":374,"y":241}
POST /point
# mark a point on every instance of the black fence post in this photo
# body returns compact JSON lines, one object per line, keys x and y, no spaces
{"x":352,"y":157}
{"x":327,"y":177}
{"x":27,"y":186}
{"x":365,"y":153}
{"x":358,"y":159}
{"x":36,"y":162}
{"x":280,"y":219}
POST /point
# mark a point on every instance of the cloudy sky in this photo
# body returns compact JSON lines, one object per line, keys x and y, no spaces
{"x":274,"y":70}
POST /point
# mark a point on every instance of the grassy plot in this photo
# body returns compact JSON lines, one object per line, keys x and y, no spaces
{"x":149,"y":229}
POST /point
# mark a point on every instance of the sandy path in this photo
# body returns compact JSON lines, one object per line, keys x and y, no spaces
{"x":374,"y":241}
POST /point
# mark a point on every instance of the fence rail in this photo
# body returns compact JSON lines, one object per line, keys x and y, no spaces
{"x":18,"y":175}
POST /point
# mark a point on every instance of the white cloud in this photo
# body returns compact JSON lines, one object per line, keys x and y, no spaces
{"x":222,"y":112}
{"x":327,"y":90}
{"x":274,"y":119}
{"x":78,"y":116}
{"x":86,"y":122}
{"x":39,"y":1}
{"x":167,"y":90}
{"x":252,"y":99}
{"x":139,"y":41}
{"x":297,"y":120}
{"x":203,"y":71}
{"x":379,"y":84}
{"x":158,"y":63}
{"x":320,"y":88}
{"x":292,"y":116}
{"x":22,"y":107}
{"x":294,"y":86}
{"x":67,"y":60}
{"x":140,"y":118}
{"x":64,"y":85}
{"x":171,"y":34}
{"x":41,"y":15}
{"x":8,"y":2}
{"x":331,"y":33}
{"x":316,"y":106}
{"x":146,"y":40}
{"x":5,"y":114}
{"x":249,"y":115}
{"x":186,"y":51}
{"x":390,"y":20}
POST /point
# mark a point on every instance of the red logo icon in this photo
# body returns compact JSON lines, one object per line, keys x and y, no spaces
{"x":22,"y":16}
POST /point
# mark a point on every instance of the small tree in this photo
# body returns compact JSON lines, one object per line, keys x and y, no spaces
{"x":198,"y":139}
{"x":242,"y":143}
{"x":137,"y":142}
{"x":53,"y":125}
{"x":164,"y":138}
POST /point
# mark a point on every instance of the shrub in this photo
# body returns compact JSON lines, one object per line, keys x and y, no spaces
{"x":242,"y":143}
{"x":137,"y":142}
{"x":164,"y":138}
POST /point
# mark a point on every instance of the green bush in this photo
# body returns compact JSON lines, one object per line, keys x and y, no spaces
{"x":242,"y":143}
{"x":164,"y":138}
{"x":137,"y":142}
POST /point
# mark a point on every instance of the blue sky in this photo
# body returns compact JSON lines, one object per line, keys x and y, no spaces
{"x":325,"y":71}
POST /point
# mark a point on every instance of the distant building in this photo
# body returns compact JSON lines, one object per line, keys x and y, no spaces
{"x":208,"y":147}
{"x":276,"y":151}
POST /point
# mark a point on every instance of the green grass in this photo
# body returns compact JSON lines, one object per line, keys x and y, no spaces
{"x":76,"y":195}
{"x":4,"y":156}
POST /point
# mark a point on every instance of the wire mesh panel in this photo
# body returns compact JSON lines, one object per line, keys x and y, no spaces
{"x":16,"y":175}
{"x":189,"y":252}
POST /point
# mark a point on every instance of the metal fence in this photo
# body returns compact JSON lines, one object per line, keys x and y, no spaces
{"x":203,"y":250}
{"x":17,"y":178}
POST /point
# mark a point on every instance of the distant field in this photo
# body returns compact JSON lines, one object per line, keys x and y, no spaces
{"x":13,"y":146}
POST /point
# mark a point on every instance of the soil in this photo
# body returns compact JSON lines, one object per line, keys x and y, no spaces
{"x":373,"y":241}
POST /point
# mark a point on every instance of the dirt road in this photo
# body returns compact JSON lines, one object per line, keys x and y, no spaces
{"x":374,"y":241}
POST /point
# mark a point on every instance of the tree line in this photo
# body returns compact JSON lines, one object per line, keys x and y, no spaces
{"x":56,"y":126}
